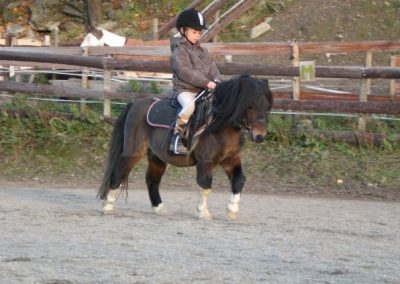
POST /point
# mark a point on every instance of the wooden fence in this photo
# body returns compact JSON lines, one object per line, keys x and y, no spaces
{"x":154,"y":57}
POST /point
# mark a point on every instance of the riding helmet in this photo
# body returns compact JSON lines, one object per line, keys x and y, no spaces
{"x":191,"y":18}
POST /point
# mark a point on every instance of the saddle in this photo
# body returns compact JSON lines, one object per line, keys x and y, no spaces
{"x":164,"y":112}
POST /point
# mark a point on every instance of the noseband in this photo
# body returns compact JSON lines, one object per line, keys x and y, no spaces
{"x":245,"y":125}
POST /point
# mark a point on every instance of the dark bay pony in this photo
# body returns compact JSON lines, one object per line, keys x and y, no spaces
{"x":242,"y":103}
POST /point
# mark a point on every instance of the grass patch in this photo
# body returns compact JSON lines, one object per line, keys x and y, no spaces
{"x":58,"y":149}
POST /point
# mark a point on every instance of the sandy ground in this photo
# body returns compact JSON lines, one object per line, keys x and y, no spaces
{"x":57,"y":235}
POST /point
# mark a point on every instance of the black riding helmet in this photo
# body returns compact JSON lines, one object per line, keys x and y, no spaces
{"x":191,"y":18}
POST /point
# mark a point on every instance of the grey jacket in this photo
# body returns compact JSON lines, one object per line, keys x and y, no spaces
{"x":192,"y":67}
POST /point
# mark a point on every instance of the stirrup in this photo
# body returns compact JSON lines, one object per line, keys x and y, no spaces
{"x":176,"y":146}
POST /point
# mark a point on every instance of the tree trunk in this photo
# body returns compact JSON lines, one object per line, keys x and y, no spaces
{"x":94,"y":13}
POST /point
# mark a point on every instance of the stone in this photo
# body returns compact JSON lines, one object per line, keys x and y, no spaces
{"x":45,"y":14}
{"x":260,"y":29}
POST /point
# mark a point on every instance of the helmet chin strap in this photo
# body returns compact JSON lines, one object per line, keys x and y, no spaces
{"x":183,"y":34}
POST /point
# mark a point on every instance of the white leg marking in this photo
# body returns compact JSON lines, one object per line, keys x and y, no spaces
{"x":160,"y":209}
{"x":202,"y":208}
{"x":233,"y":206}
{"x":108,"y":205}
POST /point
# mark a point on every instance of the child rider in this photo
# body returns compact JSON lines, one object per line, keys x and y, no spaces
{"x":192,"y":66}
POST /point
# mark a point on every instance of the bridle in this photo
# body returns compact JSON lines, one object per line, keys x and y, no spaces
{"x":246,"y":126}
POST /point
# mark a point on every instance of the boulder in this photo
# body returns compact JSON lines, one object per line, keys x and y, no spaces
{"x":46,"y":14}
{"x":260,"y":28}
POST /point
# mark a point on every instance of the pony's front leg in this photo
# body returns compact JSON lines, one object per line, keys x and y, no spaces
{"x":233,"y":206}
{"x":202,"y":208}
{"x":233,"y":169}
{"x":204,"y":180}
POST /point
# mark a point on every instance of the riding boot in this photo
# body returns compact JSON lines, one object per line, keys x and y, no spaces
{"x":176,"y":146}
{"x":180,"y":126}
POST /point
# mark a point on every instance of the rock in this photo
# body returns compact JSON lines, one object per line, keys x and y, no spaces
{"x":14,"y":28}
{"x":45,"y":14}
{"x":111,"y":26}
{"x":260,"y":28}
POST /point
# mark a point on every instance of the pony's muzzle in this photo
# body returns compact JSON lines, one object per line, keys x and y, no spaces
{"x":259,"y":139}
{"x":258,"y":132}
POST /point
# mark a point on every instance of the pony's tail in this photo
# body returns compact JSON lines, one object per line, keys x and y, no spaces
{"x":116,"y":147}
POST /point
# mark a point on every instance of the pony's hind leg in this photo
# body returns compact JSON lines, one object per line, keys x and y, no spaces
{"x":233,"y":169}
{"x":155,"y":171}
{"x":119,"y":178}
{"x":124,"y":166}
{"x":108,"y":204}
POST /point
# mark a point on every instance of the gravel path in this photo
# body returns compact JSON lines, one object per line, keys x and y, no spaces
{"x":57,"y":235}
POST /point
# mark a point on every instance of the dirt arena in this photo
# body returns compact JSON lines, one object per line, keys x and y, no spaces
{"x":53,"y":234}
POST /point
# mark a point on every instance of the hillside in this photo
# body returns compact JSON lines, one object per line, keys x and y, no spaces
{"x":344,"y":20}
{"x":336,"y":20}
{"x":310,"y":20}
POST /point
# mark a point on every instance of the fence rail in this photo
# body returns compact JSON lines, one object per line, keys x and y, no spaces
{"x":162,"y":48}
{"x":152,"y":57}
{"x":353,"y":72}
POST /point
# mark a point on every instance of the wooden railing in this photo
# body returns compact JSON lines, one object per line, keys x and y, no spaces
{"x":154,"y":56}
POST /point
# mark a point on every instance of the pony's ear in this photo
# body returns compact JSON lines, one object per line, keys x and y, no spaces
{"x":265,"y":87}
{"x":264,"y":83}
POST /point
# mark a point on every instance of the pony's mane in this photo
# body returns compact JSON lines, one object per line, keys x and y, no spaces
{"x":232,"y":98}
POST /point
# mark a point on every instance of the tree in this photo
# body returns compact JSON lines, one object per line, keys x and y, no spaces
{"x":94,"y":13}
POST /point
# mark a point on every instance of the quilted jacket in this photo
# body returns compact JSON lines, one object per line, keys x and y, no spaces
{"x":192,"y":67}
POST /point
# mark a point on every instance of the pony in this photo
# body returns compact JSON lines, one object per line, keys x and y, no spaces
{"x":101,"y":37}
{"x":241,"y":104}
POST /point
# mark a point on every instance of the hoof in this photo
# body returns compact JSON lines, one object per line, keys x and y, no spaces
{"x":108,"y":209}
{"x":107,"y":212}
{"x":232,"y":215}
{"x":160,"y":209}
{"x":204,"y":215}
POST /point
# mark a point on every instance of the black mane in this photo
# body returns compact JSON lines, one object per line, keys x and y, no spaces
{"x":232,"y":99}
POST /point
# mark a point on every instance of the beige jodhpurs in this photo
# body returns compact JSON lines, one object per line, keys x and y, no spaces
{"x":186,"y":99}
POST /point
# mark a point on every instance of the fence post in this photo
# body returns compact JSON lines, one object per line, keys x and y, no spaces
{"x":55,"y":33}
{"x":365,"y":91}
{"x":107,"y":87}
{"x":11,"y":40}
{"x":295,"y":58}
{"x":228,"y":58}
{"x":392,"y":83}
{"x":155,"y":29}
{"x":47,"y":40}
{"x":85,"y":81}
{"x":14,"y":69}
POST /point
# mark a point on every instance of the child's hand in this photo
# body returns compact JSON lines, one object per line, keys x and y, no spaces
{"x":211,"y":85}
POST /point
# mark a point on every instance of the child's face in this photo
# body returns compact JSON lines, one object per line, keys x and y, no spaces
{"x":193,"y":35}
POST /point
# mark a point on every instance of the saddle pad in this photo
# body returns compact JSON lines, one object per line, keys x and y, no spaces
{"x":162,"y":113}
